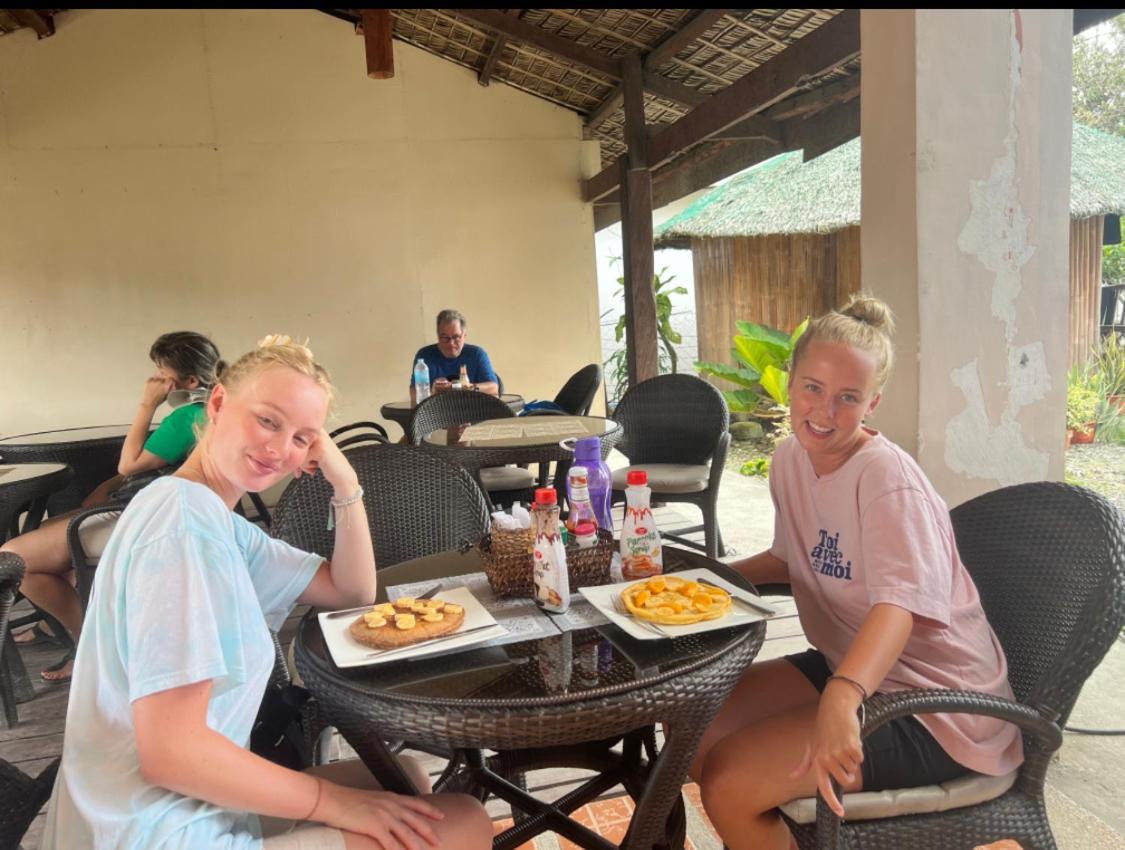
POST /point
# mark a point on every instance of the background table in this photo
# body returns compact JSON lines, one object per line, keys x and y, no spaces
{"x":400,"y":412}
{"x":564,"y":700}
{"x":477,"y":454}
{"x":93,"y":453}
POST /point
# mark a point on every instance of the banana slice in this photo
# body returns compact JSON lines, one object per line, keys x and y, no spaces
{"x":453,"y":609}
{"x":405,"y":603}
{"x":405,"y":621}
{"x":374,"y":622}
{"x":433,"y":617}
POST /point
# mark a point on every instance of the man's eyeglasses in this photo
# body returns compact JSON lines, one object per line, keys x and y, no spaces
{"x":453,"y":339}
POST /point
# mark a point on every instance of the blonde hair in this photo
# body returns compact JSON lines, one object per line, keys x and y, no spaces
{"x":278,"y":350}
{"x":865,"y":323}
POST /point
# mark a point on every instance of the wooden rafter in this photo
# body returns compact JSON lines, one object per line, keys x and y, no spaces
{"x":43,"y":25}
{"x":377,"y":32}
{"x":484,"y":77}
{"x":825,"y":48}
{"x":603,"y":63}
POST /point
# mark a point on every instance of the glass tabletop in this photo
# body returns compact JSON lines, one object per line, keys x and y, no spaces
{"x":521,"y":432}
{"x":66,"y":435}
{"x":513,"y":401}
{"x":568,"y":665}
{"x":12,"y":473}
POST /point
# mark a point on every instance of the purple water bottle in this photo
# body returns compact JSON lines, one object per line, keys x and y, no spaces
{"x":588,"y":453}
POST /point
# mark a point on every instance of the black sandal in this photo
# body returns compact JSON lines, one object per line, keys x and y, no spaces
{"x":58,"y":665}
{"x":41,"y":635}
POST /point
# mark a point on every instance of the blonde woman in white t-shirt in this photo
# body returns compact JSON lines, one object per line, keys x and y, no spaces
{"x":176,"y":651}
{"x":867,"y":546}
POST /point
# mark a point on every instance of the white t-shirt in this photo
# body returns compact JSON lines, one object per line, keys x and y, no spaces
{"x":185,"y":591}
{"x":875,"y":530}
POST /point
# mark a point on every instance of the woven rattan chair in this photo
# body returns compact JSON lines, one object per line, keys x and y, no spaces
{"x":92,"y":461}
{"x":1049,"y":562}
{"x":504,"y":484}
{"x":21,"y":798}
{"x":11,"y":574}
{"x":417,"y":504}
{"x":577,"y":394}
{"x":359,"y":433}
{"x":676,"y":429}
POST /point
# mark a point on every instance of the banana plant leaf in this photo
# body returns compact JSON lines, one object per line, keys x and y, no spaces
{"x":741,"y":375}
{"x":761,"y":353}
{"x":741,"y":401}
{"x":776,"y":382}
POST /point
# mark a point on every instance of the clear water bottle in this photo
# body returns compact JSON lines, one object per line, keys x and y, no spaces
{"x":421,"y":381}
{"x":599,"y":478}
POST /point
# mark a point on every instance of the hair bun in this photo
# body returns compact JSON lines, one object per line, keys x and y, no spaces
{"x":871,"y":311}
{"x":285,"y":341}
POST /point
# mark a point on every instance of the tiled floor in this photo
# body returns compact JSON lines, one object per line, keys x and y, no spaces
{"x":609,"y":817}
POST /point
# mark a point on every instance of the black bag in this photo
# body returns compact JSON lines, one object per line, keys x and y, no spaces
{"x":279,"y":729}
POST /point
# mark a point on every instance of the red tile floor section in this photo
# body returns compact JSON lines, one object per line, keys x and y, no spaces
{"x":610,"y":818}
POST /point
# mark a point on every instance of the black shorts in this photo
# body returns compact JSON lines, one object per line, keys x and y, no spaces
{"x":899,"y":754}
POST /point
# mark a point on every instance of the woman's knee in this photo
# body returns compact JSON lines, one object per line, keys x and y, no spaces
{"x":466,"y":824}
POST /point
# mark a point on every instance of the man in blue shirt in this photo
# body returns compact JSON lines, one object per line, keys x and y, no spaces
{"x":451,"y":352}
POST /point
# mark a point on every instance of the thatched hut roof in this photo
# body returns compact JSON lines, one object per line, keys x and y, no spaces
{"x":785,"y":195}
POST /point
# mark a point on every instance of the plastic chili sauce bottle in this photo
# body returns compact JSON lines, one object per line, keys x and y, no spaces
{"x":578,"y":495}
{"x":641,"y":555}
{"x":550,"y":576}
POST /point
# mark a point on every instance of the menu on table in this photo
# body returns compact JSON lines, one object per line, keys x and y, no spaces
{"x":550,"y":426}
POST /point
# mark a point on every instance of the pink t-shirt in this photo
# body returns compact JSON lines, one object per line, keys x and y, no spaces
{"x":875,"y":530}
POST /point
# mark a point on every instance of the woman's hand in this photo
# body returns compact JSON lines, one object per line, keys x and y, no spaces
{"x":397,"y":822}
{"x":326,"y":456}
{"x":156,"y":389}
{"x":836,"y":749}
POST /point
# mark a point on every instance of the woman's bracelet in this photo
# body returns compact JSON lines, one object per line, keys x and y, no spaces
{"x":337,"y":504}
{"x":862,"y":690}
{"x":312,"y":811}
{"x":863,"y":694}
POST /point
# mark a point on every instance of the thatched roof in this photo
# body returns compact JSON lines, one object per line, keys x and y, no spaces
{"x":785,"y":195}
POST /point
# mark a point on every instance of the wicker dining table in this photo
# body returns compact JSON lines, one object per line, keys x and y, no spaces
{"x":91,"y":452}
{"x":400,"y":412}
{"x":540,"y":441}
{"x":588,"y":698}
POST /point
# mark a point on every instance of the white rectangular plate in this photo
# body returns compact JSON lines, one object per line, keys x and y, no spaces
{"x":348,"y":652}
{"x":601,"y":597}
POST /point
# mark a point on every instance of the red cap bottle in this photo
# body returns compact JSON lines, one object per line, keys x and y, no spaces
{"x":546,"y":496}
{"x":637,"y":476}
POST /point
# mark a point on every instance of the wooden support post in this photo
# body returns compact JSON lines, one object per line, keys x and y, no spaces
{"x":636,"y":233}
{"x":377,"y":29}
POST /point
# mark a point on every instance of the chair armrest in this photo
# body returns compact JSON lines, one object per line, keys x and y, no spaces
{"x":84,"y":572}
{"x":883,"y":708}
{"x":718,"y":460}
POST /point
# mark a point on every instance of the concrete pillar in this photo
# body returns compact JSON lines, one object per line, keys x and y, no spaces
{"x":966,"y":128}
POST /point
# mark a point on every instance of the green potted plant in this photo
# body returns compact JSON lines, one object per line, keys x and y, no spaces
{"x":1083,"y":395}
{"x":761,"y":357}
{"x":1109,"y":363}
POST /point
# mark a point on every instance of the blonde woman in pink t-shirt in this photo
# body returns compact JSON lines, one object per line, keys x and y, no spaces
{"x":866,"y":544}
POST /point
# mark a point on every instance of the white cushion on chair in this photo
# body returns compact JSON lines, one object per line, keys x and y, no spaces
{"x":94,"y":534}
{"x":867,"y":805}
{"x":506,"y":478}
{"x":667,"y":477}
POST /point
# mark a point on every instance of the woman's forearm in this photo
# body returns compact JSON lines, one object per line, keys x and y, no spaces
{"x":208,"y":766}
{"x":135,"y":438}
{"x":763,"y":568}
{"x":877,"y":646}
{"x":353,"y":556}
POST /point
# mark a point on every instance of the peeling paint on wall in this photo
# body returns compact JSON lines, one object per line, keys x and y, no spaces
{"x":996,"y":235}
{"x":976,"y":449}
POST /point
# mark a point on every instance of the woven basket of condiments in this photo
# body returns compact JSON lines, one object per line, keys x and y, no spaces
{"x":508,"y":558}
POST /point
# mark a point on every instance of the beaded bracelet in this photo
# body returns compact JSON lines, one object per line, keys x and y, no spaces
{"x":336,"y":504}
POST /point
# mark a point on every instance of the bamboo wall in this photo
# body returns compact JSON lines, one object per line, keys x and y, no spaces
{"x":773,"y":280}
{"x":779,"y":280}
{"x":1085,"y":285}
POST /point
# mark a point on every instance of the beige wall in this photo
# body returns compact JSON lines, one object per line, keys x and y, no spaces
{"x":980,"y":186}
{"x":237,"y":173}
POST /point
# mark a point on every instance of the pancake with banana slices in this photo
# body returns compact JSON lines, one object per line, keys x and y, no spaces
{"x":673,"y":601}
{"x":406,"y":621}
